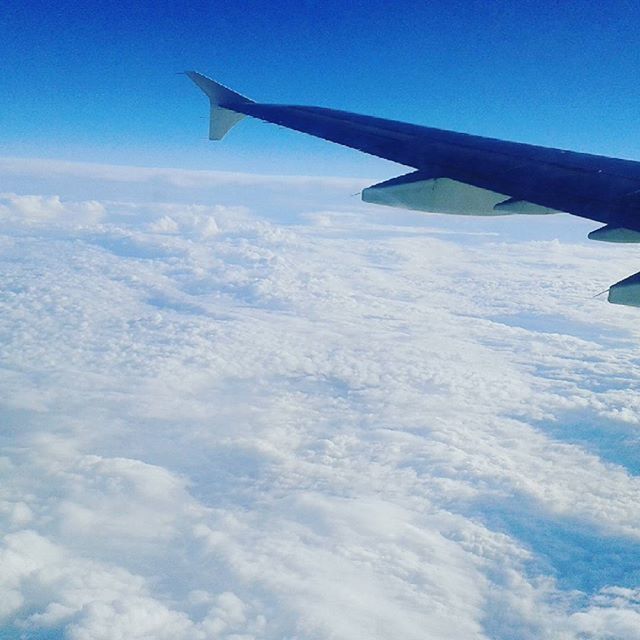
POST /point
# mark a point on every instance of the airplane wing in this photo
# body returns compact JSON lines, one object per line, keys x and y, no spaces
{"x":458,"y":173}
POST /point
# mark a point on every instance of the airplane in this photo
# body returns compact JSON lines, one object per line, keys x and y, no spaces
{"x":459,"y":173}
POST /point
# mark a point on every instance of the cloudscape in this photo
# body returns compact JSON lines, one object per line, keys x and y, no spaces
{"x":227,"y":417}
{"x":239,"y":403}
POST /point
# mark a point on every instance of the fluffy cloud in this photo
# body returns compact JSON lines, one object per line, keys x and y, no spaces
{"x":28,"y":209}
{"x":223,"y":420}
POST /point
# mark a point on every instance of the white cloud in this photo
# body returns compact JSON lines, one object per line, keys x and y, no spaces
{"x":40,"y":209}
{"x":177,"y":177}
{"x":225,"y":423}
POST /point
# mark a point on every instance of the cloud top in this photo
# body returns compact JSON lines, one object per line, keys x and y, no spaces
{"x":223,"y":421}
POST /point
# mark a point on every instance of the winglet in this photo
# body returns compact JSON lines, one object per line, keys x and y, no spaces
{"x":222,"y":99}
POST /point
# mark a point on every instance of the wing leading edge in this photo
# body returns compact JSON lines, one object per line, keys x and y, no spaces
{"x":464,"y":174}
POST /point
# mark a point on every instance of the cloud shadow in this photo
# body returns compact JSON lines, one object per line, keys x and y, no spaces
{"x":575,"y":553}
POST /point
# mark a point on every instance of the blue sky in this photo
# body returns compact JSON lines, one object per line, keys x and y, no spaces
{"x":97,"y":82}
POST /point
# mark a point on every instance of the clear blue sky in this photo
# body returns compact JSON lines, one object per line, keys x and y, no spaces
{"x":97,"y":82}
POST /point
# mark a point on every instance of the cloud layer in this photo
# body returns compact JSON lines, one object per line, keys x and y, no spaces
{"x":226,"y":418}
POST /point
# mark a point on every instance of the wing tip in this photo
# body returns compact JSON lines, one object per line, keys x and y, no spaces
{"x":222,"y":99}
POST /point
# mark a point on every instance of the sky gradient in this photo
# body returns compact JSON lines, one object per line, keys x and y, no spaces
{"x":97,"y":83}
